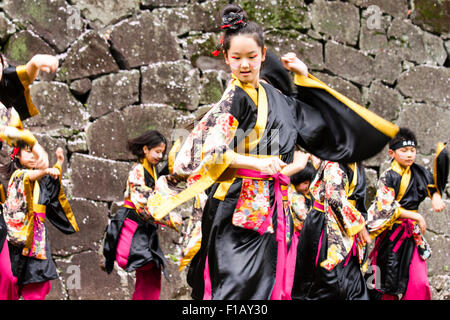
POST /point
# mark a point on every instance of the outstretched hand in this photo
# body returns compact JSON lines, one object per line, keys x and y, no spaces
{"x":270,"y":165}
{"x":41,"y":62}
{"x":45,"y":62}
{"x":437,"y":203}
{"x":292,"y":63}
{"x":53,"y":172}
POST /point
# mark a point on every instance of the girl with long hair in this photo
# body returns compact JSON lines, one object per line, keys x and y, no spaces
{"x":132,"y":236}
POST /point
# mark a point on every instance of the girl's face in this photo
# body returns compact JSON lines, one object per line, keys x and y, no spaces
{"x":154,"y":155}
{"x":303,"y":187}
{"x":404,"y":156}
{"x":26,"y":158}
{"x":244,"y":58}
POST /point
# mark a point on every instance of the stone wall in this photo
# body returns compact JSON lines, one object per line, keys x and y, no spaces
{"x":128,"y":66}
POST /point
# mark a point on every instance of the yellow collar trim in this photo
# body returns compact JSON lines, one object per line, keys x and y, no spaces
{"x":349,"y":189}
{"x":405,"y":172}
{"x":150,"y":168}
{"x":248,"y":88}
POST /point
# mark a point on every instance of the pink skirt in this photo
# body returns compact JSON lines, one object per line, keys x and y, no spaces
{"x":148,"y":277}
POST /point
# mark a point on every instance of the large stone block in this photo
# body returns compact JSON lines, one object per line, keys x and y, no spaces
{"x":194,"y":17}
{"x":7,"y":28}
{"x":439,"y":261}
{"x":431,"y":124}
{"x":349,"y":63}
{"x":92,"y":219}
{"x":177,"y":83}
{"x":308,"y":50}
{"x":51,"y":19}
{"x":440,"y":287}
{"x":205,"y":16}
{"x":59,"y":110}
{"x":398,"y":8}
{"x":387,"y":67}
{"x":336,"y":19}
{"x":88,"y":56}
{"x":77,"y":143}
{"x":432,"y":15}
{"x":212,"y":86}
{"x":103,"y":13}
{"x":211,"y":63}
{"x":384,"y":101}
{"x":279,"y":14}
{"x":371,"y":185}
{"x":83,"y":279}
{"x":81,"y":87}
{"x":112,"y":92}
{"x":411,"y":43}
{"x":139,"y":41}
{"x":107,"y":137}
{"x":22,"y":46}
{"x":426,"y":83}
{"x":201,"y":45}
{"x":344,"y":87}
{"x":98,"y":179}
{"x":437,"y":222}
{"x":373,"y":38}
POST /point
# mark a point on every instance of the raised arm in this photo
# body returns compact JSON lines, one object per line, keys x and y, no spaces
{"x":41,"y":62}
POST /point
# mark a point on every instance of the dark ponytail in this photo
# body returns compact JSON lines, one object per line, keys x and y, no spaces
{"x":150,"y":138}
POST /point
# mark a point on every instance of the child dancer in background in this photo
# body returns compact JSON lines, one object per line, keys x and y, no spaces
{"x":332,"y":241}
{"x":131,"y":236}
{"x":33,"y":196}
{"x":400,"y":250}
{"x":11,"y":131}
{"x":301,"y":198}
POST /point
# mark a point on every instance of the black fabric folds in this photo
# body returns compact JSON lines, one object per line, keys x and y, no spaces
{"x":273,"y":72}
{"x":145,"y":245}
{"x":12,"y":93}
{"x":393,"y":267}
{"x":332,"y":131}
{"x":49,"y":197}
{"x":3,"y":231}
{"x":441,"y":170}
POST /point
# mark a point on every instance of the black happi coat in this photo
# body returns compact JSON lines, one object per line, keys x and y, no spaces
{"x":345,"y":281}
{"x":394,"y":266}
{"x":145,"y":246}
{"x":242,"y":263}
{"x":58,"y":212}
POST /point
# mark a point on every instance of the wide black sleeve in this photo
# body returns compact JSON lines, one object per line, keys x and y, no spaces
{"x":335,"y":128}
{"x":441,"y":168}
{"x":58,"y":210}
{"x":15,"y":92}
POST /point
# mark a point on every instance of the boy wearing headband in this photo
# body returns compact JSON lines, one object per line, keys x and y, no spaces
{"x":400,"y":249}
